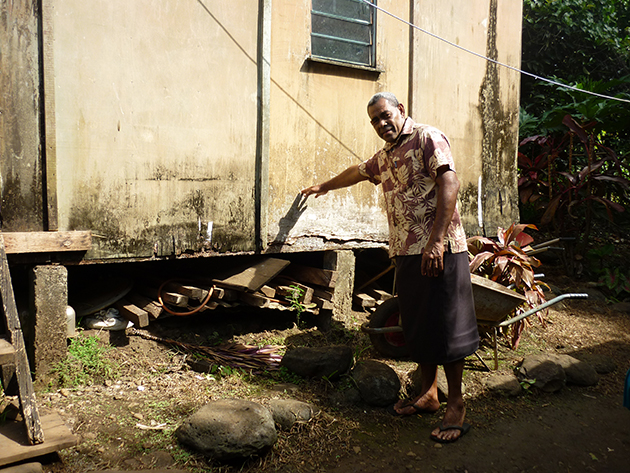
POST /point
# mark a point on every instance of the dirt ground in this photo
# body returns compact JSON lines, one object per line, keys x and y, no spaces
{"x":127,"y":423}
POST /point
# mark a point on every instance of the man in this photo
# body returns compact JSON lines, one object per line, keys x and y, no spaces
{"x":426,"y":238}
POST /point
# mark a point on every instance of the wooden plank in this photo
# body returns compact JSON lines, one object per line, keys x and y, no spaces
{"x":153,"y":308}
{"x":22,"y":368}
{"x":323,"y":294}
{"x":310,"y":275}
{"x":138,"y":316}
{"x":7,"y":352}
{"x":47,"y":242}
{"x":14,"y":441}
{"x":192,"y":292}
{"x":255,"y":300}
{"x":170,"y":298}
{"x":363,"y":300}
{"x":254,"y":277}
{"x":224,"y":294}
{"x":268,"y":291}
{"x":286,"y":292}
{"x":323,"y":303}
{"x":378,"y":294}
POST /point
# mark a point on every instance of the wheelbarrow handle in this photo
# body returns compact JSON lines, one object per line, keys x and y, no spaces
{"x":543,"y":306}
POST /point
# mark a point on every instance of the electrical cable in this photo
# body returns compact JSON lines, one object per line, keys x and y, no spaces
{"x":494,"y":61}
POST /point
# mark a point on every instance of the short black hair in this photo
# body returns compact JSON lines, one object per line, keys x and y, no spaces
{"x":391,"y":98}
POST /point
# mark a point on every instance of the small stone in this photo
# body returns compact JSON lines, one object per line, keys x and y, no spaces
{"x":357,"y":449}
{"x":138,"y":416}
{"x":64,"y":392}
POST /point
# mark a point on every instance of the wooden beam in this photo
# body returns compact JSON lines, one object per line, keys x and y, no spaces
{"x":254,"y":277}
{"x":139,"y":317}
{"x":15,"y":447}
{"x":309,"y":275}
{"x":46,"y":242}
{"x":26,"y":390}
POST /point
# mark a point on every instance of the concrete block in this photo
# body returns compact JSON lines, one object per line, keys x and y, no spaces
{"x":46,"y":331}
{"x":343,"y":262}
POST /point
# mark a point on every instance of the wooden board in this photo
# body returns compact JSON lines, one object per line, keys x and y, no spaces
{"x":47,"y":242}
{"x":309,"y":275}
{"x":254,"y":277}
{"x":15,"y":445}
{"x":129,"y":311}
{"x":7,"y":352}
{"x":26,"y":391}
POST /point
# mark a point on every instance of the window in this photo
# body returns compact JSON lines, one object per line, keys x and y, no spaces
{"x":343,"y":31}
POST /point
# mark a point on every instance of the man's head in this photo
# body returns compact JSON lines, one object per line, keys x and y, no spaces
{"x":387,"y":115}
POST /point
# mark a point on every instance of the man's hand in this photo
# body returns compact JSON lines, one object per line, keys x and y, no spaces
{"x":433,"y":259}
{"x":317,"y":190}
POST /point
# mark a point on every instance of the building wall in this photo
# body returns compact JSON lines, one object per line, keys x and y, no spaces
{"x":474,"y":101}
{"x":319,"y":127}
{"x":155,"y":111}
{"x":21,"y":186}
{"x":319,"y":122}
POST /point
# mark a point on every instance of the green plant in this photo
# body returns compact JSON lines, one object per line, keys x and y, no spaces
{"x":526,"y":384}
{"x":295,"y":298}
{"x":616,"y":283}
{"x":85,"y":364}
{"x":507,"y":262}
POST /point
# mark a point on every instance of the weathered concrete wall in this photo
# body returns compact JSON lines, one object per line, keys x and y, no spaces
{"x":155,"y":110}
{"x":475,"y":102}
{"x":20,"y":163}
{"x":319,"y":123}
{"x":319,"y":126}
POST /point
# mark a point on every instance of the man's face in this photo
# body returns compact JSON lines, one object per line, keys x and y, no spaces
{"x":386,"y":119}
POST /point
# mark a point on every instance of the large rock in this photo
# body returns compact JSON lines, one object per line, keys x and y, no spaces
{"x":288,"y":412}
{"x":318,"y":362}
{"x":503,"y":384}
{"x":377,"y":383}
{"x":545,"y":373}
{"x":578,"y":372}
{"x":229,"y":429}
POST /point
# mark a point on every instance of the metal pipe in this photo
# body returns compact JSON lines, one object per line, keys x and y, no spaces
{"x":553,"y":301}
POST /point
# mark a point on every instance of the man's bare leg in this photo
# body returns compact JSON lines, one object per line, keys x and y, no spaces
{"x":455,"y":409}
{"x":427,"y":401}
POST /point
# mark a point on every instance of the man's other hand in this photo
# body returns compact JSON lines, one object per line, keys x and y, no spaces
{"x":433,"y":259}
{"x":317,"y":190}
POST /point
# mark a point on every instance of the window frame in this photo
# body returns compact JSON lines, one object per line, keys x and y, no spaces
{"x":341,"y":62}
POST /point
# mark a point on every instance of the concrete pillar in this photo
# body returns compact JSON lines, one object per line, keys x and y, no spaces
{"x":342,"y":261}
{"x":46,"y":333}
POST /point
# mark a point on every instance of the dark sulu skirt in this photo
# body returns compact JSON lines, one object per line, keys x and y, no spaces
{"x":438,"y":313}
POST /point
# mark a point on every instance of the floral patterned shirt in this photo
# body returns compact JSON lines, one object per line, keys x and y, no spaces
{"x":407,"y":170}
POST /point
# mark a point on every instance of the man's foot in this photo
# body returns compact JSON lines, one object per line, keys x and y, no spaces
{"x":453,"y":426}
{"x":463,"y":430}
{"x":419,"y":405}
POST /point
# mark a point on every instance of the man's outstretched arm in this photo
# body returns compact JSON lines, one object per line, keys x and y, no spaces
{"x":347,"y":178}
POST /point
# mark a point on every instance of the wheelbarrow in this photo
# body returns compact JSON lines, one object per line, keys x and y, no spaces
{"x":493,"y":303}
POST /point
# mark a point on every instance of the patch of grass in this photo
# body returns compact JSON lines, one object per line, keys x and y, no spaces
{"x":85,"y":364}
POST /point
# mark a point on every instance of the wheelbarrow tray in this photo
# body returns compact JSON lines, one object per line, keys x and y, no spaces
{"x":493,"y":301}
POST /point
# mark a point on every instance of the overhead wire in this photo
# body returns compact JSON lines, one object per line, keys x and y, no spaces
{"x":494,"y":61}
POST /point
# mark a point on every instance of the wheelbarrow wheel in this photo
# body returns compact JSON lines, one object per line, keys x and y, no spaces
{"x":392,"y":345}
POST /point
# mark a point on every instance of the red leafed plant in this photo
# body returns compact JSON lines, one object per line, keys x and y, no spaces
{"x":506,"y":261}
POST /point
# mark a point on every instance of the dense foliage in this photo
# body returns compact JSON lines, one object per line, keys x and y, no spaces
{"x":575,"y":146}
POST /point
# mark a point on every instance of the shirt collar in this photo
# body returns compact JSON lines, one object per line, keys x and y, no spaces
{"x":407,"y":128}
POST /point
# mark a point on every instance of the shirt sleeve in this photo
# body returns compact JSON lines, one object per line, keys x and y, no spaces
{"x":437,"y":152}
{"x":371,"y":169}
